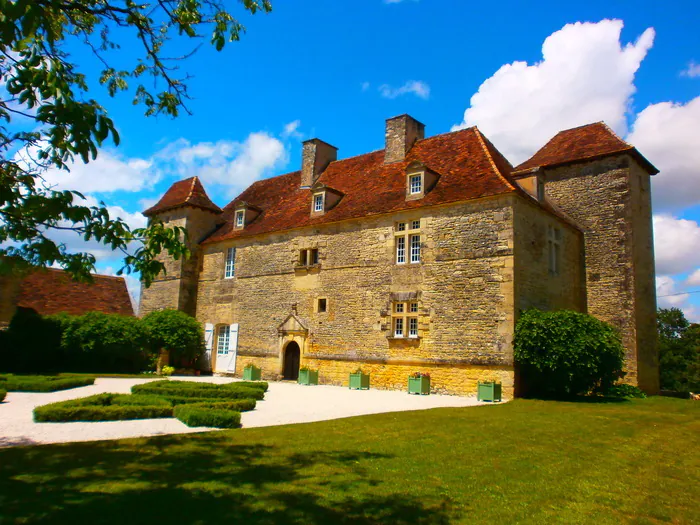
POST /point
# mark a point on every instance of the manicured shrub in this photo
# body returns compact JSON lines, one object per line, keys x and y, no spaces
{"x":32,"y":343}
{"x":561,"y":354}
{"x":13,"y":383}
{"x":262,"y":385}
{"x":105,"y":407}
{"x":240,"y":405}
{"x":176,"y":332}
{"x":207,"y":417}
{"x":3,"y":393}
{"x":195,"y":389}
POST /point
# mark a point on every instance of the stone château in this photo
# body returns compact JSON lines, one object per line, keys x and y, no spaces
{"x":417,"y":257}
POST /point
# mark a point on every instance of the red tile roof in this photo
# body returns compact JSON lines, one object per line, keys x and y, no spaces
{"x":468,"y":164}
{"x":53,"y":291}
{"x":582,"y":143}
{"x":188,"y":192}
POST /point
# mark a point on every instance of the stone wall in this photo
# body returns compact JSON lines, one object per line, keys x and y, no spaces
{"x":464,"y":287}
{"x":610,"y":199}
{"x":535,"y":285}
{"x":177,"y":287}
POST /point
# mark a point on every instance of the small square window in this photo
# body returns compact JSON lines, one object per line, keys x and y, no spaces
{"x":318,"y":202}
{"x":415,"y":225}
{"x":401,"y":227}
{"x":413,"y":307}
{"x":240,"y":217}
{"x":415,"y":184}
{"x":322,"y":305}
{"x":399,"y":308}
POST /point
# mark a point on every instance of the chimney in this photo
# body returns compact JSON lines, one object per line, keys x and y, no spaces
{"x":316,"y":155}
{"x":401,"y":133}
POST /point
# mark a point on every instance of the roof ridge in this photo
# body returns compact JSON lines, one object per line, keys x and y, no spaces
{"x":490,"y":157}
{"x":189,"y":195}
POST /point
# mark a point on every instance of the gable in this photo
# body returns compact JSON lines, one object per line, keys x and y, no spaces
{"x":292,"y":324}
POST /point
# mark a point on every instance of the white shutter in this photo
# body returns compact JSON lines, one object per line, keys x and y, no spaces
{"x":233,"y":347}
{"x":205,"y":361}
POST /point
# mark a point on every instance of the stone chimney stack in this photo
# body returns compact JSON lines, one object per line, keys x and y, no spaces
{"x":316,"y":155}
{"x":401,"y":133}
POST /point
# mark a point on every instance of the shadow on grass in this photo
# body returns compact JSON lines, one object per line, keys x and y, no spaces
{"x":581,"y":399}
{"x":202,"y":480}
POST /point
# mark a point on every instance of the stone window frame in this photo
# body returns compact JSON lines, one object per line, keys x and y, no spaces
{"x":415,"y":184}
{"x":404,"y":314}
{"x":308,"y":257}
{"x":240,"y":219}
{"x":318,"y":305}
{"x":554,"y":241}
{"x":407,"y":242}
{"x":230,"y":263}
{"x":428,"y":179}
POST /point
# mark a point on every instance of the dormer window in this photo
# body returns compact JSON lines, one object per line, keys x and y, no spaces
{"x":240,"y":219}
{"x":318,"y":202}
{"x":419,"y":180}
{"x":245,"y":214}
{"x":415,"y":184}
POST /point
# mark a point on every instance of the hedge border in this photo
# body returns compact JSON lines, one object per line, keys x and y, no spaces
{"x":3,"y":393}
{"x":207,"y":392}
{"x":100,"y":408}
{"x":194,"y":416}
{"x":44,"y":383}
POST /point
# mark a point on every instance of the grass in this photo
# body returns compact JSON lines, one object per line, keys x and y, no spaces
{"x":521,"y":462}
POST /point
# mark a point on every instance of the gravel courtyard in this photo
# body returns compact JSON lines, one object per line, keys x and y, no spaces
{"x":285,"y":403}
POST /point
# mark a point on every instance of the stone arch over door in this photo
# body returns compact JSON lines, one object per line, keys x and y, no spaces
{"x":292,"y":330}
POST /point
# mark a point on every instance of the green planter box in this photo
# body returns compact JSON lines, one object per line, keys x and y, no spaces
{"x":251,"y":373}
{"x":308,"y":377}
{"x":359,"y":381}
{"x":419,"y":385}
{"x":488,"y":391}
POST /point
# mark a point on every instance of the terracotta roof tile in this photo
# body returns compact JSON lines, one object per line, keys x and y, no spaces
{"x":581,"y":143}
{"x":187,"y":192}
{"x":53,"y":291}
{"x":469,"y":167}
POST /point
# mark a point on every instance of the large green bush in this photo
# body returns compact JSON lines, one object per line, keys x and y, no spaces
{"x":13,"y":383}
{"x":193,"y":416}
{"x":176,"y":332}
{"x":561,"y":354}
{"x":105,"y":407}
{"x":3,"y":393}
{"x":31,"y":343}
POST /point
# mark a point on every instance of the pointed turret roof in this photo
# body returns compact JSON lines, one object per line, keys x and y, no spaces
{"x":187,"y":192}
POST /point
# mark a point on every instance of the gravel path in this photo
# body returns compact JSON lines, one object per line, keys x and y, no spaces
{"x":284,"y":403}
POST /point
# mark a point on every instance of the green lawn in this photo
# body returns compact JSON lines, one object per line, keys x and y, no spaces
{"x":521,"y":462}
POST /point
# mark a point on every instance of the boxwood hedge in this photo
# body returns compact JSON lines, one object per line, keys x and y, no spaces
{"x":239,"y":405}
{"x":2,"y":395}
{"x":105,"y":407}
{"x":13,"y":383}
{"x":195,"y":389}
{"x":243,"y":404}
{"x":194,"y":416}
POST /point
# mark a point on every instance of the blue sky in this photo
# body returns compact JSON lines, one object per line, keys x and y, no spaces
{"x":336,"y":70}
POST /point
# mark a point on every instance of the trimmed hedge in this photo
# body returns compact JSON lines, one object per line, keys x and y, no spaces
{"x":105,"y":407}
{"x":14,"y":383}
{"x":195,"y":389}
{"x":240,"y":405}
{"x":194,"y":416}
{"x":3,"y":393}
{"x":262,"y":385}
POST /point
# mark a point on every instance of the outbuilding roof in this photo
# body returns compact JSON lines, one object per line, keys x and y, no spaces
{"x":187,"y":192}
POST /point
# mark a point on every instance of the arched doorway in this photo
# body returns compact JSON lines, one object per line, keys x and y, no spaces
{"x":292,"y":355}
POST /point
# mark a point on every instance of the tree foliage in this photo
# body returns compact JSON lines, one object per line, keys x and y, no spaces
{"x":679,"y":351}
{"x":47,"y":119}
{"x":563,"y":353}
{"x":176,"y":332}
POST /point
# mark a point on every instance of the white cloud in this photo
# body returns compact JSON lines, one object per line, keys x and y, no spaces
{"x":586,"y":75}
{"x":415,"y":87}
{"x":669,"y":296}
{"x":668,"y":134}
{"x":694,"y":278}
{"x":676,"y":245}
{"x":692,"y":71}
{"x":292,"y":130}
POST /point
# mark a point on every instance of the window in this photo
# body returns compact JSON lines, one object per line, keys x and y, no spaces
{"x":240,"y":218}
{"x":398,"y":326}
{"x":318,"y":202}
{"x":223,"y":340}
{"x":308,"y":257}
{"x":230,"y":263}
{"x":415,"y":184}
{"x":554,"y":249}
{"x":415,"y":248}
{"x":407,"y":242}
{"x":401,"y":250}
{"x":405,"y":320}
{"x":322,"y":305}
